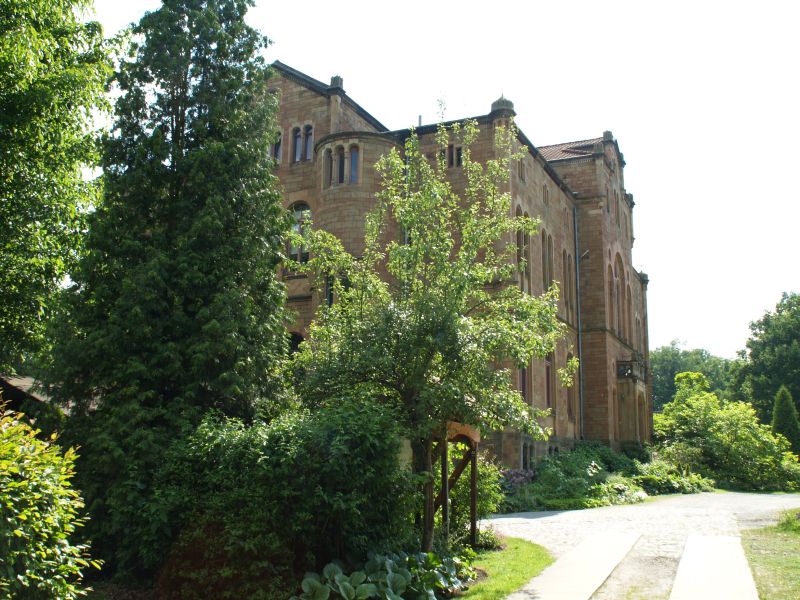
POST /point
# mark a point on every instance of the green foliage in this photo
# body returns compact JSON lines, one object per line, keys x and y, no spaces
{"x":391,"y":577}
{"x":176,"y":307}
{"x":724,"y":440}
{"x":784,"y":418}
{"x":662,"y":477}
{"x":594,"y":475}
{"x":668,"y":361}
{"x":578,"y":479}
{"x":773,"y":357}
{"x":790,"y":521}
{"x":53,"y":70}
{"x":38,"y":515}
{"x":429,"y":337}
{"x":242,"y":511}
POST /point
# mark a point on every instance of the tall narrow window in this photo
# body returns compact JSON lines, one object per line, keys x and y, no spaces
{"x":611,"y":310}
{"x":548,"y":379}
{"x":327,"y":168}
{"x":520,"y":248}
{"x":545,"y":281}
{"x":308,"y":142}
{"x":570,"y":397}
{"x":297,"y":147}
{"x":565,"y":284}
{"x":451,"y":157}
{"x":329,"y":291}
{"x":353,"y":164}
{"x":571,"y":288}
{"x":295,"y":339}
{"x":550,"y":263}
{"x":458,"y":156}
{"x":302,"y":214}
{"x":523,"y":383}
{"x":340,"y":164}
{"x":526,"y":244}
{"x":276,"y":149}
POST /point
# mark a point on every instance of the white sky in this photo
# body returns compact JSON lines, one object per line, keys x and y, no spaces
{"x":702,"y":96}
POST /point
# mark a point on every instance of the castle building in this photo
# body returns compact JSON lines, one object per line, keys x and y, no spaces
{"x":325,"y":155}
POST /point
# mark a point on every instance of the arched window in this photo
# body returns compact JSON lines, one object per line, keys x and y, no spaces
{"x":295,"y":339}
{"x":329,"y":291}
{"x":571,"y":288}
{"x":340,"y":164}
{"x":565,"y":284}
{"x":545,"y":195}
{"x":545,"y":275}
{"x":526,"y":252}
{"x":327,"y":168}
{"x":276,"y":149}
{"x":628,"y":314}
{"x":302,"y":215}
{"x":308,"y":142}
{"x":570,"y":396}
{"x":520,"y":248}
{"x":297,"y":147}
{"x":353,"y":164}
{"x":611,"y":311}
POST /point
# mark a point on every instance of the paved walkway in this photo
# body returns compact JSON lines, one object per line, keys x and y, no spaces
{"x":661,"y":535}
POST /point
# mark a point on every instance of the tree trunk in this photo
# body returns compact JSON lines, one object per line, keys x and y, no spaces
{"x":422,"y":461}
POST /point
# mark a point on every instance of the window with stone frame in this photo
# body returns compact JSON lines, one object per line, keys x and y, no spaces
{"x":302,"y":215}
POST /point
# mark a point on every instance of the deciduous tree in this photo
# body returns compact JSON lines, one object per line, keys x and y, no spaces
{"x":53,"y":70}
{"x":176,"y":306}
{"x":668,"y":361}
{"x":773,"y":357}
{"x":431,"y":322}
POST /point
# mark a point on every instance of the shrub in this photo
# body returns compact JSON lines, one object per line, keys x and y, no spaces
{"x":253,"y":507}
{"x":662,"y":477}
{"x":730,"y":445}
{"x":419,"y":575}
{"x":38,"y":515}
{"x":617,"y":489}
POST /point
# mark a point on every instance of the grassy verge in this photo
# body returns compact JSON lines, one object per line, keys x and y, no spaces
{"x":508,"y":569}
{"x":773,"y":554}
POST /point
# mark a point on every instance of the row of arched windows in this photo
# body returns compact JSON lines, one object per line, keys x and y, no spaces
{"x":620,"y":304}
{"x":568,"y":289}
{"x":302,"y":145}
{"x":340,"y":166}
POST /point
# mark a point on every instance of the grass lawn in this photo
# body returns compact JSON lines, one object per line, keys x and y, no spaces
{"x":774,"y":555}
{"x":508,"y":569}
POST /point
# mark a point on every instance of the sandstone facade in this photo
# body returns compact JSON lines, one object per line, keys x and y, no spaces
{"x":325,"y":160}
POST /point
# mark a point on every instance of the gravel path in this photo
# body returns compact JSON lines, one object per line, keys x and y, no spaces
{"x":664,"y":522}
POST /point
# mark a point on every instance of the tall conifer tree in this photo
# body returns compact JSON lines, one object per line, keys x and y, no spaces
{"x":784,"y":418}
{"x":177,"y":307}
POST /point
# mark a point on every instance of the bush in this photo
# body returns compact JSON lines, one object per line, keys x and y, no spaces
{"x":662,"y":477}
{"x":617,"y":489}
{"x":254,"y":507}
{"x":413,"y":576}
{"x":38,"y":514}
{"x":724,"y":440}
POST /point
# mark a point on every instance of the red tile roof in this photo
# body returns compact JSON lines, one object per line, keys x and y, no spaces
{"x":568,"y":149}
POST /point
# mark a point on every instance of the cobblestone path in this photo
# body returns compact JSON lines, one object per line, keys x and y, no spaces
{"x":664,"y":523}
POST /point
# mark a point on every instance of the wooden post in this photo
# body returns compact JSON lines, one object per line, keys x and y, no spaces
{"x":473,"y":497}
{"x":445,"y":491}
